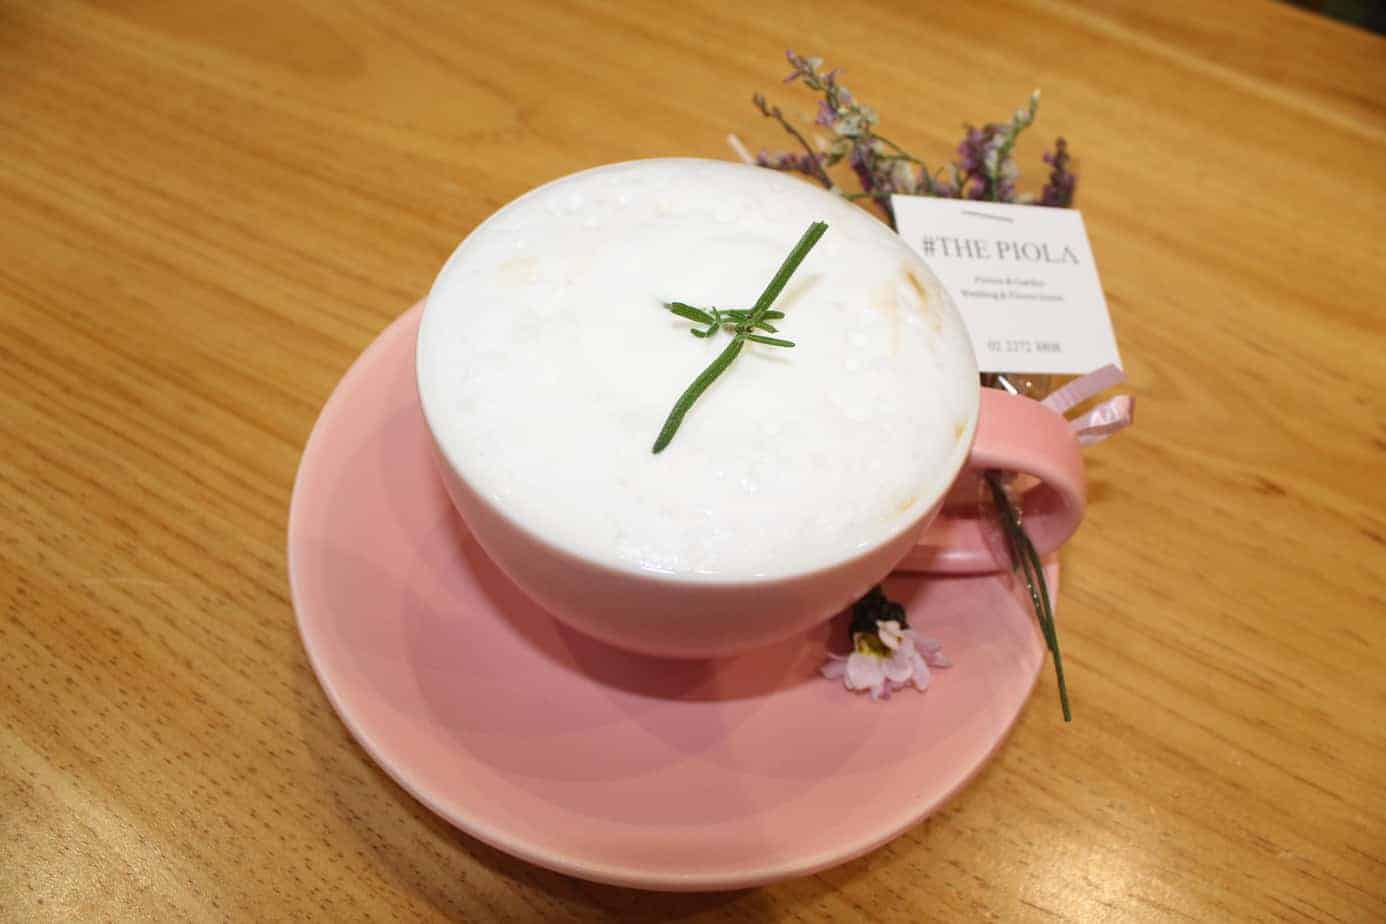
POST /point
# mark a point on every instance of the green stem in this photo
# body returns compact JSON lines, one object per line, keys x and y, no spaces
{"x":1025,"y":559}
{"x":694,"y":390}
{"x":902,"y":154}
{"x":787,"y":268}
{"x":1038,"y":568}
{"x":774,"y":112}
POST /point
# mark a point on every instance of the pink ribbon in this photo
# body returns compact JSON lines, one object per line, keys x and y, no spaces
{"x":1104,"y":419}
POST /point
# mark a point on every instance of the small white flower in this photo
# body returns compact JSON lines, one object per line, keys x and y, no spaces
{"x":886,"y":661}
{"x":866,"y":672}
{"x":903,"y":175}
{"x":849,"y":124}
{"x":890,"y":633}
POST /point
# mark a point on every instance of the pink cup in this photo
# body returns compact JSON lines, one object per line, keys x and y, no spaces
{"x":1014,"y":434}
{"x":701,"y":615}
{"x":669,"y":616}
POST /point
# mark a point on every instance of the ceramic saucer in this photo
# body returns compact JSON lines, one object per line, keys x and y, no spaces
{"x":581,"y":758}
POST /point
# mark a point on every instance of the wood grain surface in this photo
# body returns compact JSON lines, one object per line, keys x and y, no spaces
{"x":210,"y":208}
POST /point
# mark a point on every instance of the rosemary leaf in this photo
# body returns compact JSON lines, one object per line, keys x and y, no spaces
{"x":787,"y":268}
{"x":691,"y":393}
{"x":741,"y":314}
{"x":691,"y":313}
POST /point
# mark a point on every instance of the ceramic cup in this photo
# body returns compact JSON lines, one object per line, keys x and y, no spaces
{"x":543,"y":428}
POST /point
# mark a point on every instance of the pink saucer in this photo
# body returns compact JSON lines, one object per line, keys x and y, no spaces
{"x":581,"y":758}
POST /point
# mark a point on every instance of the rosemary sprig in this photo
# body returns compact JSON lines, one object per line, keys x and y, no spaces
{"x":1026,"y":560}
{"x":716,"y":318}
{"x":742,"y":324}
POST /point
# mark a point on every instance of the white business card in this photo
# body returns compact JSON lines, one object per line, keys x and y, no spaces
{"x":1023,"y":277}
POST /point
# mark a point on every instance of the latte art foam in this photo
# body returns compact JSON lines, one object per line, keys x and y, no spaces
{"x":547,"y":365}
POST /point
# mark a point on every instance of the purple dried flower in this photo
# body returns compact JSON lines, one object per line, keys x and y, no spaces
{"x":860,"y":160}
{"x":984,"y":169}
{"x":1063,"y":184}
{"x":944,"y":189}
{"x":806,"y":68}
{"x":970,"y":167}
{"x":794,"y":62}
{"x":972,"y":149}
{"x":827,"y":114}
{"x":984,"y":156}
{"x":790,"y":161}
{"x":810,"y":162}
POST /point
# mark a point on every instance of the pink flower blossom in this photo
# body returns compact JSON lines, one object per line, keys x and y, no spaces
{"x":886,"y":661}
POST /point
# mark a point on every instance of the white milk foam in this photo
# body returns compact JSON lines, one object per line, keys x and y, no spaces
{"x":547,"y":366}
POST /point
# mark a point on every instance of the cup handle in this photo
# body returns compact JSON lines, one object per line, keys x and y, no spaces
{"x":1014,"y":434}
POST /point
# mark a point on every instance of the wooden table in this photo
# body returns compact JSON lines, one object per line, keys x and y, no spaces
{"x":211,"y":208}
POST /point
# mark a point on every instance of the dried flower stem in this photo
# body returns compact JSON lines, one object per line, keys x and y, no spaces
{"x":930,"y":186}
{"x":774,"y":112}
